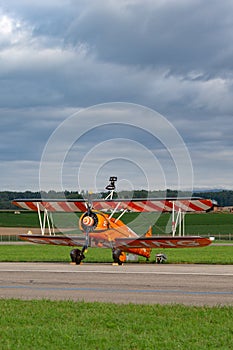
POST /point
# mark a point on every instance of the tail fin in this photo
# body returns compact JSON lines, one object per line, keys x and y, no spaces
{"x":148,"y":234}
{"x":141,"y":251}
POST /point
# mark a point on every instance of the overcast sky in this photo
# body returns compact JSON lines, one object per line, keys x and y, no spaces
{"x":58,"y":58}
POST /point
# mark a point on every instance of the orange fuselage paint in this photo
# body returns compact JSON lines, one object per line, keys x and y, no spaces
{"x":108,"y":229}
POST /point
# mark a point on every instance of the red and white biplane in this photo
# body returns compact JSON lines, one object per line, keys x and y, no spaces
{"x":103,"y":230}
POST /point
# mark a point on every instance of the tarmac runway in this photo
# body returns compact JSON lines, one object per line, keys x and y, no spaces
{"x":130,"y":283}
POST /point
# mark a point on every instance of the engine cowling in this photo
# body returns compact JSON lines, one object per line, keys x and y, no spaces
{"x":93,"y":221}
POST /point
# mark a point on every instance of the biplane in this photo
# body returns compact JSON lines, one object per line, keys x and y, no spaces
{"x":102,"y":229}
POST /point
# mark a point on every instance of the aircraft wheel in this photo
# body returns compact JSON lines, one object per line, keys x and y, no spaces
{"x":77,"y":256}
{"x":117,"y":255}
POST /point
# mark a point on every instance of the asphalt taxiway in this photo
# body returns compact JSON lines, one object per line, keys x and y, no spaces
{"x":130,"y":283}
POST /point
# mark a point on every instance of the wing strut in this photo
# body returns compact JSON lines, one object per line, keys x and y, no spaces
{"x":179,"y":220}
{"x":45,"y":220}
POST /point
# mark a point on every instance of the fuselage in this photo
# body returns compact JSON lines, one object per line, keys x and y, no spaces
{"x":104,"y":230}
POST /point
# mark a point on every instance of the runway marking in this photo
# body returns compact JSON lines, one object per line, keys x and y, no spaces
{"x":107,"y":290}
{"x":121,"y":272}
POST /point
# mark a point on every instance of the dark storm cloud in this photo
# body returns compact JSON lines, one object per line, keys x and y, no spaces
{"x":181,"y":35}
{"x":173,"y":56}
{"x":154,"y":53}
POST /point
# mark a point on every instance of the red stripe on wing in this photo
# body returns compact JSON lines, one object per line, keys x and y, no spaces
{"x":54,"y":240}
{"x":31,"y":205}
{"x":163,"y":242}
{"x":80,"y":206}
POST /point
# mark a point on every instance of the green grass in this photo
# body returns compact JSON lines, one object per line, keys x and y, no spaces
{"x":195,"y":224}
{"x":47,"y":253}
{"x":208,"y":223}
{"x":30,"y":219}
{"x":24,"y":219}
{"x":71,"y":325}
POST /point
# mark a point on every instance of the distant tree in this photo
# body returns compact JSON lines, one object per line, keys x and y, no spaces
{"x":140,"y":194}
{"x":223,"y":198}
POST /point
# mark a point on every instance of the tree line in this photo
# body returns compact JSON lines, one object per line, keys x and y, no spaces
{"x":223,"y":197}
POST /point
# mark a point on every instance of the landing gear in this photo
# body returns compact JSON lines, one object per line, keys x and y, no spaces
{"x":77,"y":256}
{"x":118,"y":256}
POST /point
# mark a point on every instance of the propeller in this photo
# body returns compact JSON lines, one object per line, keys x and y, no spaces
{"x":88,"y":222}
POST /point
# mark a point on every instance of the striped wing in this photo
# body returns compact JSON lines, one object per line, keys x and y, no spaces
{"x":163,"y":242}
{"x":156,"y":205}
{"x":134,"y":205}
{"x":124,"y":243}
{"x":54,"y":240}
{"x":51,"y":205}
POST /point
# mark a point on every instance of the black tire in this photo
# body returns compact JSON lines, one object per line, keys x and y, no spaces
{"x":116,"y":253}
{"x":77,"y":256}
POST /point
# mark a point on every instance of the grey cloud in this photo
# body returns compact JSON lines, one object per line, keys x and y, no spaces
{"x":24,"y":132}
{"x":181,"y":35}
{"x":112,"y":53}
{"x":175,"y":57}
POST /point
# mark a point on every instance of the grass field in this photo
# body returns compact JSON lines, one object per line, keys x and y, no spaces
{"x":72,"y":325}
{"x":204,"y":224}
{"x":197,"y":224}
{"x":47,"y":253}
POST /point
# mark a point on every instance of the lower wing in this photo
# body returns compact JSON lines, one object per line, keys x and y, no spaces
{"x":163,"y":242}
{"x":123,"y":243}
{"x":54,"y":240}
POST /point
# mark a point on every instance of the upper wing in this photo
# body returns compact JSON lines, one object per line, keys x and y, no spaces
{"x":134,"y":205}
{"x":52,"y":205}
{"x":156,"y":204}
{"x":163,"y":242}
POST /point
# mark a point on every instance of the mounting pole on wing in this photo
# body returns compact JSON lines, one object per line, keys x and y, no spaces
{"x":111,"y":187}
